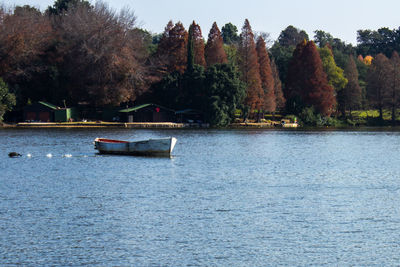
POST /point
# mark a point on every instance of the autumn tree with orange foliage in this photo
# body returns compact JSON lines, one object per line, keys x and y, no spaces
{"x":177,"y":50}
{"x":368,"y":60}
{"x":102,"y":55}
{"x":267,"y":80}
{"x":214,"y":50}
{"x":308,"y":81}
{"x":160,"y":59}
{"x":196,"y":38}
{"x":172,"y":49}
{"x":24,"y":37}
{"x":250,"y":69}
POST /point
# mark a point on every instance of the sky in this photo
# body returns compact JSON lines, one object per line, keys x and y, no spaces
{"x":340,"y":18}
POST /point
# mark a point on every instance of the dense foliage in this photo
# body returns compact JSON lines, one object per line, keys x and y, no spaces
{"x":76,"y":53}
{"x":7,"y":99}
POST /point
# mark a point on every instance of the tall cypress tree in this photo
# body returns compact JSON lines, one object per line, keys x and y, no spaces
{"x":190,"y":46}
{"x":178,"y":49}
{"x":307,"y":82}
{"x":315,"y":88}
{"x":198,"y":45}
{"x":350,"y":96}
{"x":214,"y":50}
{"x":161,"y":56}
{"x":250,"y":68}
{"x":267,"y":80}
{"x":292,"y":90}
{"x":279,"y":98}
{"x":172,"y":50}
{"x":378,"y":88}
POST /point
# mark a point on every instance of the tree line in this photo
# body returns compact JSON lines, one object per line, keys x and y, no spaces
{"x":78,"y":53}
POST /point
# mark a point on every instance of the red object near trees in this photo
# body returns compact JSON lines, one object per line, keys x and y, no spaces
{"x":214,"y":50}
{"x":267,"y":80}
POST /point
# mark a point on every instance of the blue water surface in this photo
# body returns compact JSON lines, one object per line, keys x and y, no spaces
{"x":226,"y":197}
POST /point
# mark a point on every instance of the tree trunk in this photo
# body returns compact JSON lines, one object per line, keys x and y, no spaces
{"x":393,"y":114}
{"x":381,"y":113}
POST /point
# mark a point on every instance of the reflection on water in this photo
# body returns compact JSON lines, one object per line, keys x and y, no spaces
{"x":238,"y":197}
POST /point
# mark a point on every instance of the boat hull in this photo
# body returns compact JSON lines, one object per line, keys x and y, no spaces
{"x":151,"y":147}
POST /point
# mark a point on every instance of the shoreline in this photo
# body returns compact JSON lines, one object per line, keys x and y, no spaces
{"x":172,"y":125}
{"x":136,"y":125}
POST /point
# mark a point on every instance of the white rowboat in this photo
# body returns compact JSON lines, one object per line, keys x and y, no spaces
{"x":151,"y":147}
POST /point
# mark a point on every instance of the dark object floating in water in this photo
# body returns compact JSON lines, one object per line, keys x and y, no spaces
{"x":14,"y":155}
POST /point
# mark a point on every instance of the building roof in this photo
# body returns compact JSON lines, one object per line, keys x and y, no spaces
{"x":48,"y":105}
{"x":127,"y":110}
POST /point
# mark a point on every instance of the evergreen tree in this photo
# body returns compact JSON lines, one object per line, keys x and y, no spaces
{"x":214,"y":50}
{"x":250,"y":69}
{"x":349,"y":97}
{"x":291,"y":36}
{"x":267,"y":80}
{"x":191,"y":94}
{"x":229,"y":34}
{"x":62,"y":6}
{"x":224,"y":94}
{"x":282,"y":56}
{"x":167,"y":91}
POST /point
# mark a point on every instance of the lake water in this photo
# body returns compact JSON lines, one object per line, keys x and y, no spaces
{"x":226,"y":197}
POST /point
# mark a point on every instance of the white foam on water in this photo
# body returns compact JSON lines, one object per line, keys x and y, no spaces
{"x":67,"y":155}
